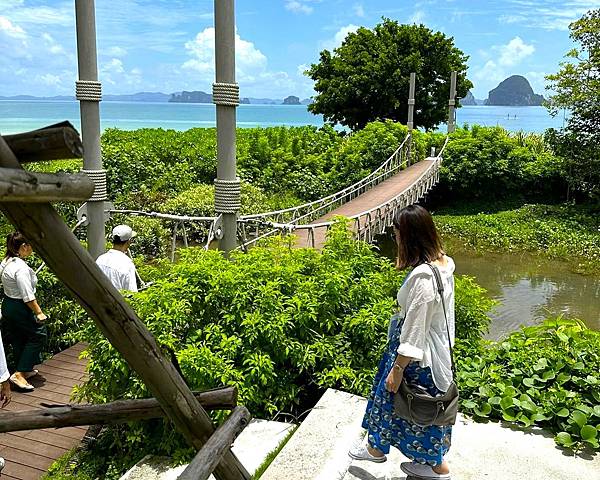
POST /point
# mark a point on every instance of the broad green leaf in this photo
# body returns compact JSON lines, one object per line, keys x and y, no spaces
{"x":579,"y":418}
{"x":495,"y":400}
{"x":588,"y":432}
{"x":563,"y":412}
{"x":563,"y":438}
{"x":506,"y":402}
{"x":528,"y":382}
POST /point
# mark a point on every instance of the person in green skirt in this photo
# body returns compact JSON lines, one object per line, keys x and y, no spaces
{"x":22,"y":317}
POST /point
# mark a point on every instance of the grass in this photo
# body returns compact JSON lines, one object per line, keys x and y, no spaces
{"x":564,"y":232}
{"x":271,"y":456}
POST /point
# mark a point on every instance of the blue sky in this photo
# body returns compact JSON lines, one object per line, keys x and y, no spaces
{"x":168,"y":46}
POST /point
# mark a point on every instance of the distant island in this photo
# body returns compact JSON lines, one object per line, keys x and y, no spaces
{"x":468,"y":100}
{"x":514,"y":91}
{"x":159,"y":97}
{"x":291,"y":100}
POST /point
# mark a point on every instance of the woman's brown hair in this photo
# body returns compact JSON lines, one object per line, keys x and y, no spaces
{"x":416,"y":237}
{"x":14,"y":241}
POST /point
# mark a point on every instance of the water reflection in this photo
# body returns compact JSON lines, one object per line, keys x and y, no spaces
{"x":528,"y":287}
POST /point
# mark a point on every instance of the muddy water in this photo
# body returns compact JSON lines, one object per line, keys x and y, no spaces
{"x":528,"y":287}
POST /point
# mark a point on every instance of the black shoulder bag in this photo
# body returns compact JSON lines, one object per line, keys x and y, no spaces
{"x":416,"y":405}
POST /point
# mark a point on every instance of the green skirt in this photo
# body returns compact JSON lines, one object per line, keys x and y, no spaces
{"x":25,"y":335}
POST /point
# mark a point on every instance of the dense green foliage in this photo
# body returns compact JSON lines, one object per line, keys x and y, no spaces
{"x":490,"y":162}
{"x":366,"y":78}
{"x":576,"y":87}
{"x":545,"y":375}
{"x":567,"y":232}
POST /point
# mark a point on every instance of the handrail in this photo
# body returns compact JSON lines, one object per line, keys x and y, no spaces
{"x":352,"y":187}
{"x":164,"y":216}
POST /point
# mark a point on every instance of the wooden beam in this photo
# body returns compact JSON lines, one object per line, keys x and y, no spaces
{"x":210,"y":454}
{"x":77,"y":270}
{"x":55,"y":142}
{"x":58,"y":416}
{"x":17,"y":185}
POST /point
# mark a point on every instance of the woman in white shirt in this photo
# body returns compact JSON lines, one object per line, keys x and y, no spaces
{"x":22,"y":317}
{"x":417,"y":350}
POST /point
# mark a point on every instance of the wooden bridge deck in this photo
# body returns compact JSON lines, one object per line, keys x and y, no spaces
{"x":372,"y":198}
{"x":29,"y":453}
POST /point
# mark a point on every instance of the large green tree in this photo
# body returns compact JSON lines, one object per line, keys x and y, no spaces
{"x":576,"y":87}
{"x":367,"y":77}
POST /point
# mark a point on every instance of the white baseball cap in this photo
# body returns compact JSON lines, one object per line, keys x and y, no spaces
{"x":123,"y":232}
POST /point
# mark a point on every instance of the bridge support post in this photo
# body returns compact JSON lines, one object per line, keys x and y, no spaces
{"x":89,"y":94}
{"x":452,"y":104}
{"x":226,"y":96}
{"x":411,"y":112}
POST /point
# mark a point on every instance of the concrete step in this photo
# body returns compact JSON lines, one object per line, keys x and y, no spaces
{"x":255,"y":442}
{"x":318,"y":450}
{"x":491,"y":451}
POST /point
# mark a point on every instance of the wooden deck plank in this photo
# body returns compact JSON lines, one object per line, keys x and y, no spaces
{"x":372,"y":198}
{"x":29,"y":453}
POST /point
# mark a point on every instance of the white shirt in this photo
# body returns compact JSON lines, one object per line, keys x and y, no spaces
{"x":119,"y":269}
{"x":18,"y":279}
{"x":424,"y":336}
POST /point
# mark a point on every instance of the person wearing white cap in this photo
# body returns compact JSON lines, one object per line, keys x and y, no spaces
{"x":116,"y":264}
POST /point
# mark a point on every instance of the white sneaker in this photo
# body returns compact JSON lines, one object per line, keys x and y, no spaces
{"x":360,"y":452}
{"x":2,"y":463}
{"x":424,"y":472}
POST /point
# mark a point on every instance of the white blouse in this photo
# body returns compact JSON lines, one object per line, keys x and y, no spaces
{"x":19,"y":281}
{"x":424,"y":336}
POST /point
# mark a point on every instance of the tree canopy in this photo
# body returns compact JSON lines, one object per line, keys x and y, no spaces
{"x":367,"y":77}
{"x":577,"y":88}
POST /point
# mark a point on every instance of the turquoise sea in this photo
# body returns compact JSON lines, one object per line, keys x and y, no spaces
{"x":21,"y":116}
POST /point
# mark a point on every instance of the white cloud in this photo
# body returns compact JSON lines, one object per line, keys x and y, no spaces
{"x":549,"y":14}
{"x":359,"y":11}
{"x":10,"y":29}
{"x":52,"y":45}
{"x":298,"y":7}
{"x":514,"y":52}
{"x":49,"y":79}
{"x":252,"y":71}
{"x":116,"y":52}
{"x":417,"y":17}
{"x":507,"y":59}
{"x":339,"y":37}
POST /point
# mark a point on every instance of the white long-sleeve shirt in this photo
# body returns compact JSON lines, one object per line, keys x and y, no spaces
{"x":424,"y":336}
{"x":119,"y":269}
{"x":18,"y":279}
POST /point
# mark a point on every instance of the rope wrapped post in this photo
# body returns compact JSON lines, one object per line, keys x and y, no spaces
{"x":411,"y":111}
{"x":88,"y":91}
{"x":226,"y":96}
{"x":452,"y":104}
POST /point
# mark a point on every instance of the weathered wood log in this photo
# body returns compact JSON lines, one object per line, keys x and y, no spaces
{"x":58,"y":416}
{"x":17,"y":185}
{"x":210,"y":454}
{"x":55,"y":142}
{"x":74,"y":266}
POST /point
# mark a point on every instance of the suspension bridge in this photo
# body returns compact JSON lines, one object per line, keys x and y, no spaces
{"x":370,"y":205}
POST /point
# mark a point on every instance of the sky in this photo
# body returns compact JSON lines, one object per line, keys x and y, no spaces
{"x":168,"y":46}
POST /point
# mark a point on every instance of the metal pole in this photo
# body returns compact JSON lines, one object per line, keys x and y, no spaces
{"x":452,"y":104}
{"x":411,"y":112}
{"x":226,"y":97}
{"x":88,"y":92}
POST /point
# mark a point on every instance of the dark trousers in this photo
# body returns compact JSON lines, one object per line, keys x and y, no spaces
{"x":26,"y":336}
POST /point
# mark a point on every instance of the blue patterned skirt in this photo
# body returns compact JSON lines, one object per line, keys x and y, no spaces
{"x":423,"y":444}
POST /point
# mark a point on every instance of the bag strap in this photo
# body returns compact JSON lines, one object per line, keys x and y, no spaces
{"x":440,"y":289}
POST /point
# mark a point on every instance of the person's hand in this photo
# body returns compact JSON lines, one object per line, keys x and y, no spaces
{"x":393,"y":380}
{"x":5,"y":394}
{"x":41,"y":317}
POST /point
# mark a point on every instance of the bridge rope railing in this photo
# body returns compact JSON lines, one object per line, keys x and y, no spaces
{"x":315,"y":209}
{"x":365,"y":225}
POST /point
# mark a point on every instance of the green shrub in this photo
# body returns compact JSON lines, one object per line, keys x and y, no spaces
{"x":545,"y":375}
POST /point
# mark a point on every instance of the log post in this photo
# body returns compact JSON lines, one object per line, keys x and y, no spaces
{"x":59,"y":416}
{"x":56,"y":142}
{"x":204,"y":462}
{"x":17,"y":185}
{"x":74,"y":266}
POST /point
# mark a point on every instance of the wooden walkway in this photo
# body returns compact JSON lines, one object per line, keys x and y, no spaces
{"x":372,"y":198}
{"x":29,"y":453}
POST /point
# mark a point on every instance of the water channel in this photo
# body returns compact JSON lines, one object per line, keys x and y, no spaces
{"x":528,"y":287}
